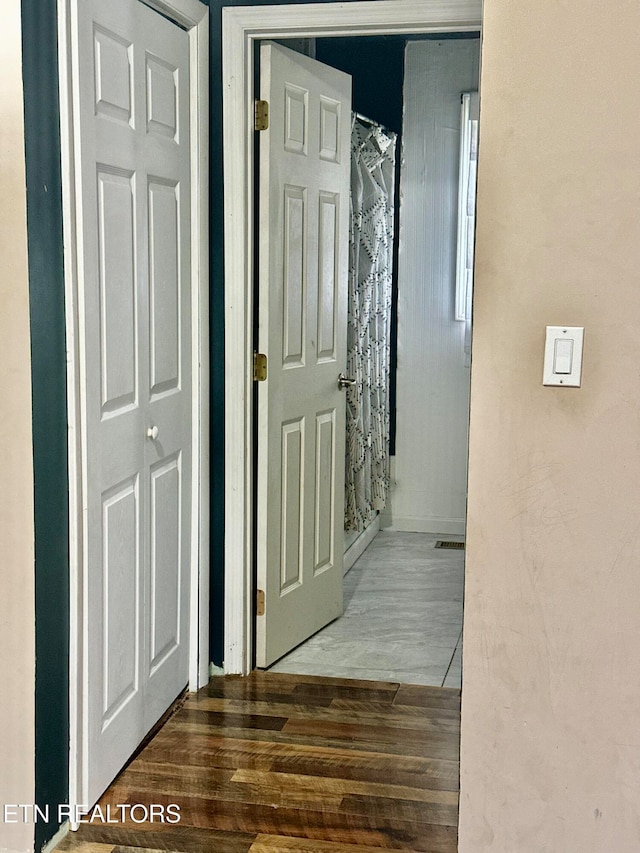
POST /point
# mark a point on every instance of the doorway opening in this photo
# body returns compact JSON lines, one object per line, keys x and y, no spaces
{"x":241,"y":29}
{"x":410,"y":261}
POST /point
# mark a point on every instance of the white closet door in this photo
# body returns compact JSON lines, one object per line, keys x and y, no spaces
{"x":304,"y":210}
{"x":133,"y":208}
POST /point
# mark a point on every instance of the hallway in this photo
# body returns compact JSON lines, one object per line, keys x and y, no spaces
{"x":278,"y":763}
{"x":402,"y":619}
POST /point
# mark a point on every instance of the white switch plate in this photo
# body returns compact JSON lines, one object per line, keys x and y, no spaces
{"x":551,"y":374}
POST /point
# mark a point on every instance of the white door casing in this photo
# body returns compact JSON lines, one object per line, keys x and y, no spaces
{"x":241,"y":27}
{"x":135,"y":397}
{"x":303,"y":245}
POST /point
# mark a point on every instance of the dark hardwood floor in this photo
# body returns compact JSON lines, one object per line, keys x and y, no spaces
{"x":297,"y":764}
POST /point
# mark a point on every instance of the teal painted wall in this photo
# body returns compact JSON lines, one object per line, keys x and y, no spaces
{"x":46,"y":284}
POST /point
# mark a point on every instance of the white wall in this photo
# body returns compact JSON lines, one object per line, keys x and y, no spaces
{"x":17,"y":616}
{"x":432,"y":380}
{"x":551,"y":662}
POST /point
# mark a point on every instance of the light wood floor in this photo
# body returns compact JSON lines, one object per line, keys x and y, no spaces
{"x":298,"y":764}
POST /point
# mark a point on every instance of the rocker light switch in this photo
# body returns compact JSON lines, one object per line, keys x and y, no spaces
{"x":563,"y":356}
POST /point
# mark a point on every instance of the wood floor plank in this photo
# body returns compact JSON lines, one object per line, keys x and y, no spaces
{"x":201,"y":781}
{"x":189,"y":778}
{"x":72,"y":842}
{"x":225,"y":752}
{"x":437,"y":775}
{"x":231,"y":720}
{"x":437,"y":744}
{"x":343,"y":711}
{"x":298,"y":764}
{"x":121,"y":849}
{"x":201,"y":737}
{"x":283,"y":844}
{"x":257,"y":792}
{"x":308,"y":823}
{"x":400,"y":810}
{"x":428,"y":697}
{"x":282,"y":684}
{"x":174,"y":839}
{"x":308,"y":690}
{"x":306,"y":693}
{"x":252,"y":691}
{"x":329,"y":786}
{"x":283,"y":790}
{"x":127,"y":849}
{"x":397,"y":711}
{"x":294,"y":679}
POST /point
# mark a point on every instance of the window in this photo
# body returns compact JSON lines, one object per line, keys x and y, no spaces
{"x":466,"y":213}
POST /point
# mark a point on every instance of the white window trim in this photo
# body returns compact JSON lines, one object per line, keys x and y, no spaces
{"x":464,"y":174}
{"x":241,"y":27}
{"x":192,"y":16}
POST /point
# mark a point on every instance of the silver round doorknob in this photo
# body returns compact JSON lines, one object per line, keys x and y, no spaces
{"x":152,"y":432}
{"x":343,"y":382}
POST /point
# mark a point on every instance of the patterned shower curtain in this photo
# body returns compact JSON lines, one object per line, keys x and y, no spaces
{"x":373,"y":155}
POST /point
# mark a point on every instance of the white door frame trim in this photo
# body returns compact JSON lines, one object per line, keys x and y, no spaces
{"x":241,"y":27}
{"x":192,"y":16}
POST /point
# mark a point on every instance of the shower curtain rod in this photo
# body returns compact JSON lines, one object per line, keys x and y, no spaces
{"x":373,"y":123}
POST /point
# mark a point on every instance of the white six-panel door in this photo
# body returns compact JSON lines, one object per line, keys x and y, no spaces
{"x":303,"y":263}
{"x":134,"y":272}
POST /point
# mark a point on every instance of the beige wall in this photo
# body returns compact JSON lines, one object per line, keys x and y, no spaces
{"x":17,"y":662}
{"x":551,"y":684}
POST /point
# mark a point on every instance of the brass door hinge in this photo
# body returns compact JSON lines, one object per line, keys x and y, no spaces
{"x":259,"y":367}
{"x":260,"y":603}
{"x":261,"y":115}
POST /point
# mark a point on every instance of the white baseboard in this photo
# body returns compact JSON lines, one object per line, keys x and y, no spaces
{"x":57,"y":838}
{"x":434,"y":524}
{"x":386,"y":518}
{"x":357,"y":548}
{"x":350,"y":537}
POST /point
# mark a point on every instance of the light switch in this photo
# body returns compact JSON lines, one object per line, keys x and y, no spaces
{"x":563,"y":356}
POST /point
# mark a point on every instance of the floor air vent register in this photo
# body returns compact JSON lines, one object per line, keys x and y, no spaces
{"x":455,"y":546}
